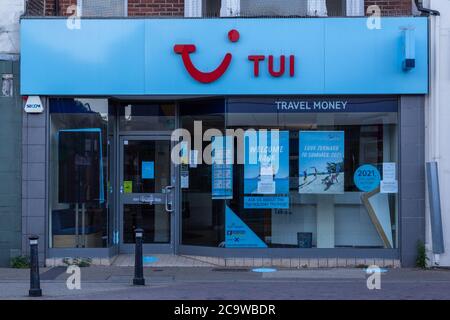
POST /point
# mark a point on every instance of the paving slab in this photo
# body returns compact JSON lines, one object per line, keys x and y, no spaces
{"x":113,"y":282}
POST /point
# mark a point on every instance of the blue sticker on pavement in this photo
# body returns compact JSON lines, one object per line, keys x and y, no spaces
{"x":263,"y":270}
{"x":149,"y":259}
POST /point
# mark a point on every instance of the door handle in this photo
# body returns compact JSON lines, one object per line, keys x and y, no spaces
{"x":168,"y":190}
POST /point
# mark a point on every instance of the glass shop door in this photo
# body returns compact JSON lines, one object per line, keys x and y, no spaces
{"x":147,"y":193}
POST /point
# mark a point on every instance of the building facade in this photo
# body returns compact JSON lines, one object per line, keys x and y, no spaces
{"x":437,"y":131}
{"x":10,"y":131}
{"x":266,"y":137}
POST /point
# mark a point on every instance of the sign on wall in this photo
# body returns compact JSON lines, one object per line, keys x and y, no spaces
{"x":34,"y":105}
{"x":305,"y":104}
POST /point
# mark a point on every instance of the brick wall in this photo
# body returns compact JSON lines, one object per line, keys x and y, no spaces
{"x":135,"y":7}
{"x":176,"y":7}
{"x":392,"y":7}
{"x":155,"y":7}
{"x":63,"y":4}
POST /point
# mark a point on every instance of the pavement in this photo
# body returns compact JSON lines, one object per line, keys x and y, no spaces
{"x":160,"y":260}
{"x":209,"y":283}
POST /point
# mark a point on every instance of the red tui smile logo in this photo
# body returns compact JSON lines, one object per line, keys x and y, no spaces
{"x":257,"y":59}
{"x":205,"y":77}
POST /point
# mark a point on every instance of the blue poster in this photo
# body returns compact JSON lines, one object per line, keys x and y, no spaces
{"x":263,"y":202}
{"x":367,"y":178}
{"x":222,"y":168}
{"x":321,"y":162}
{"x":266,"y":169}
{"x":148,"y":170}
{"x":238,"y":234}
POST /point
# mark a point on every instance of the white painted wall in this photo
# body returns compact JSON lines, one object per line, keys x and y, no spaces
{"x":10,"y":12}
{"x":438,"y":118}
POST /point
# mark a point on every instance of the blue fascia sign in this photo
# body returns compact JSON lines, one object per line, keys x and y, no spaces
{"x":224,"y":57}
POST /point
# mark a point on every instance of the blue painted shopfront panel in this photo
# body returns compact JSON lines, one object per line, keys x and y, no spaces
{"x":137,"y":57}
{"x":358,"y":59}
{"x":300,"y":37}
{"x":103,"y":57}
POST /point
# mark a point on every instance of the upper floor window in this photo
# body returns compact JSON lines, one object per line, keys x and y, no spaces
{"x":336,"y":8}
{"x":103,"y":8}
{"x":270,"y":8}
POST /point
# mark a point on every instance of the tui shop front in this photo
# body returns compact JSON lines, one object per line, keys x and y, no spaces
{"x":229,"y":138}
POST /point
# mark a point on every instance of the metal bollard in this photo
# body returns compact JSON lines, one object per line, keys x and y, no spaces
{"x":35,"y":282}
{"x":138,"y":260}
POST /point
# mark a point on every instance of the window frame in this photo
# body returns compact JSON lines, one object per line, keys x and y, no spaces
{"x":80,"y":8}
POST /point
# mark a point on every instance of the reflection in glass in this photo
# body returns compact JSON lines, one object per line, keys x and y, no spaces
{"x":152,"y":218}
{"x":146,"y":173}
{"x":202,"y":217}
{"x":146,"y":117}
{"x":140,"y":154}
{"x":78,"y":173}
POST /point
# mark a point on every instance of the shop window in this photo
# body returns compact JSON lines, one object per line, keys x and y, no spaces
{"x":79,"y":179}
{"x":336,"y":8}
{"x":286,"y":8}
{"x":202,"y":217}
{"x":211,"y":8}
{"x":326,"y":178}
{"x":103,"y":8}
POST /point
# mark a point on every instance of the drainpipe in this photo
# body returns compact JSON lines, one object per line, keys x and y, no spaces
{"x":434,"y":104}
{"x":56,"y":12}
{"x":426,"y":11}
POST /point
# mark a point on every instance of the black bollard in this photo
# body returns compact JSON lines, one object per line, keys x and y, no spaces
{"x":138,"y":260}
{"x":35,"y":282}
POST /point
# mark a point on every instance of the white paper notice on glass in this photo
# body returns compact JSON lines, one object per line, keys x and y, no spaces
{"x":389,"y":186}
{"x":184,"y":181}
{"x":184,"y":178}
{"x":193,"y":156}
{"x":389,"y":172}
